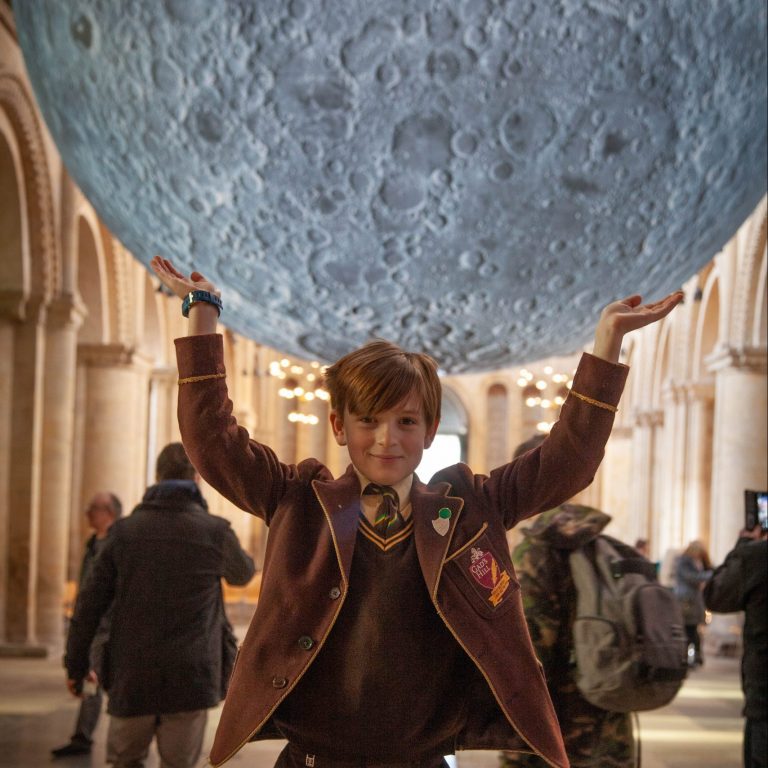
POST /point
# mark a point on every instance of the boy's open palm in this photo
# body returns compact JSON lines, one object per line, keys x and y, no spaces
{"x":628,"y":314}
{"x":178,"y":283}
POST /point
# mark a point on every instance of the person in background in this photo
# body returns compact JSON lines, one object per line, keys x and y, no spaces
{"x":160,"y":569}
{"x":594,"y":737}
{"x":103,"y":509}
{"x":741,"y":584}
{"x":692,"y":569}
{"x":641,"y":545}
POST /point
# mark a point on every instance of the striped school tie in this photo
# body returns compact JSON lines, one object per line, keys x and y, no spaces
{"x":388,"y":519}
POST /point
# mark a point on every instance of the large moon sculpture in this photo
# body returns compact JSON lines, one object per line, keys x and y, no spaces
{"x":475,"y":178}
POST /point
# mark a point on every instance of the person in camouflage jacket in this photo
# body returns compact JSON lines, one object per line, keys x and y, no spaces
{"x":594,"y":737}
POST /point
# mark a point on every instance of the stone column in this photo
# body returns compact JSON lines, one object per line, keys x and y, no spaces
{"x":336,"y":456}
{"x":23,"y":497}
{"x":672,"y":469}
{"x":642,"y":497}
{"x":311,"y":438}
{"x":115,"y":431}
{"x":497,"y":406}
{"x":162,"y":421}
{"x":64,"y":316}
{"x":612,"y":484}
{"x":698,"y":474}
{"x":285,"y":430}
{"x":11,"y":311}
{"x":739,"y":440}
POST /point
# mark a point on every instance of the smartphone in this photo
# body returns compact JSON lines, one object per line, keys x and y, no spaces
{"x":756,"y":509}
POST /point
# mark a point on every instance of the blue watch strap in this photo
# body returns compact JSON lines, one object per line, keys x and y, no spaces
{"x":193,"y":297}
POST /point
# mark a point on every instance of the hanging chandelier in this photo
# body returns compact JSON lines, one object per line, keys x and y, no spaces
{"x":302,"y":383}
{"x":546,"y":391}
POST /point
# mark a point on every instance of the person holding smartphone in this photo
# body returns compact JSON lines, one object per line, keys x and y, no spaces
{"x":741,"y":584}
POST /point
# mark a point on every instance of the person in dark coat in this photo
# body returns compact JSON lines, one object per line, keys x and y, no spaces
{"x":160,"y":569}
{"x":741,"y":584}
{"x":103,"y":509}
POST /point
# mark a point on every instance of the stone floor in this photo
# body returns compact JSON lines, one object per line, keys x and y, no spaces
{"x":700,"y":729}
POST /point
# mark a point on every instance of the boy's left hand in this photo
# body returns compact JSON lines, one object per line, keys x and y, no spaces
{"x":621,"y":317}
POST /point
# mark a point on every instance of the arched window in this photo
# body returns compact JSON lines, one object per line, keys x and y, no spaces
{"x":450,"y":444}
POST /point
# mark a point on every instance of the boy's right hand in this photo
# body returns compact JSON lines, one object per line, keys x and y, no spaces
{"x":176,"y":282}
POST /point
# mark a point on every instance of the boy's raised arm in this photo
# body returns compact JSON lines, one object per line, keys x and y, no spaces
{"x":203,"y":316}
{"x":621,"y":317}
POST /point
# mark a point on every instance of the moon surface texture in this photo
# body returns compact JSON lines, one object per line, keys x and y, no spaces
{"x":475,"y":179}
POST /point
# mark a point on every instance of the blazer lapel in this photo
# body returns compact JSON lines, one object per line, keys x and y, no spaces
{"x":432,"y":508}
{"x":340,"y":500}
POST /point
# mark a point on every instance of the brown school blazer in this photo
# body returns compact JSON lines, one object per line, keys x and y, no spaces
{"x":313,"y":523}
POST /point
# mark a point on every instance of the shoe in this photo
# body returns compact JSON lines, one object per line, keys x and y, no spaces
{"x":72,"y":749}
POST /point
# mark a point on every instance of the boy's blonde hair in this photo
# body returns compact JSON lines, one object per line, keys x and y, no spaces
{"x":378,"y":376}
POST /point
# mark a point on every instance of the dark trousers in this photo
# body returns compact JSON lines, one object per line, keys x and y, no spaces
{"x":87,"y":718}
{"x":755,"y":743}
{"x":296,"y":757}
{"x":694,"y":639}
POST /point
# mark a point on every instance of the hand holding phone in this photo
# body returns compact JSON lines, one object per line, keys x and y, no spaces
{"x":756,"y":510}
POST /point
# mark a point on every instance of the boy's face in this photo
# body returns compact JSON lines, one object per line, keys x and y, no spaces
{"x":387,"y":446}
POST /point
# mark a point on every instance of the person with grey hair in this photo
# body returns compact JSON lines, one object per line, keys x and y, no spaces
{"x":103,"y":509}
{"x":167,"y":659}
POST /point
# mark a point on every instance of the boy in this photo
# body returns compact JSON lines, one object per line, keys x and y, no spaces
{"x":389,"y":630}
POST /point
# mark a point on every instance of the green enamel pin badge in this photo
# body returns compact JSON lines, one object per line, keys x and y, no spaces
{"x":442,"y":522}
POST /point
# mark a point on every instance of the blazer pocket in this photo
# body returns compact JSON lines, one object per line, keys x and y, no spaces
{"x":482,"y":576}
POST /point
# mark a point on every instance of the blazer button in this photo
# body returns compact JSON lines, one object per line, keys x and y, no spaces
{"x":335,"y":593}
{"x":279,"y":682}
{"x":306,"y":642}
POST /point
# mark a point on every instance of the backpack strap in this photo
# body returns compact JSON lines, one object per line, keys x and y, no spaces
{"x":633,"y":565}
{"x":631,"y":561}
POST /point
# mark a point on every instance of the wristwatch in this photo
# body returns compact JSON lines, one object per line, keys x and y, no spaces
{"x":193,"y":297}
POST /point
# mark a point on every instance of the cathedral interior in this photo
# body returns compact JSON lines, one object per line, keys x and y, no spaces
{"x":88,"y":382}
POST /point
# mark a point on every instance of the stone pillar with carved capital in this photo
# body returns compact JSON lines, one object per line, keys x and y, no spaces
{"x":740,"y":458}
{"x":115,"y":436}
{"x":311,"y":439}
{"x":672,"y":476}
{"x":63,"y":318}
{"x":700,"y":397}
{"x":162,"y":422}
{"x":641,"y":498}
{"x":21,"y":517}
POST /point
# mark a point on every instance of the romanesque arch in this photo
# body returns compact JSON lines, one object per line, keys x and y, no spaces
{"x":23,"y":131}
{"x":33,"y":271}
